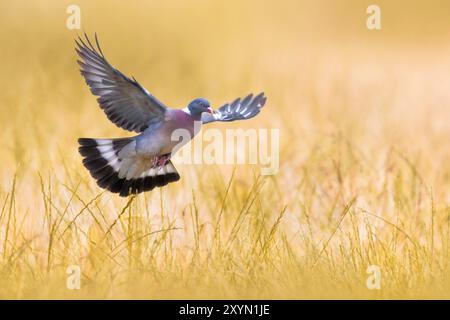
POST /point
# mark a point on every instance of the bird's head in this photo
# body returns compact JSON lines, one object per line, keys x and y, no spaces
{"x":198,"y":106}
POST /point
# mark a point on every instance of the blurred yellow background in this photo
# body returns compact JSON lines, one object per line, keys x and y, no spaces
{"x":364,"y":166}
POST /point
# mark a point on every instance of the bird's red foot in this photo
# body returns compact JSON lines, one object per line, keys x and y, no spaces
{"x":161,"y":161}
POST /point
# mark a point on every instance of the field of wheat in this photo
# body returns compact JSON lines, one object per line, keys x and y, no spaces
{"x":364,"y":175}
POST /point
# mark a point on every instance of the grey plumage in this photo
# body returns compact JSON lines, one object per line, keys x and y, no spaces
{"x":237,"y":110}
{"x":124,"y":101}
{"x":140,"y":163}
{"x":101,"y":157}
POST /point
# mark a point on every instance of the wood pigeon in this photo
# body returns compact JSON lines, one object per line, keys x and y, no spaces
{"x":141,"y":163}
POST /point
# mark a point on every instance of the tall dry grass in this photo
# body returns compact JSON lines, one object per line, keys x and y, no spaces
{"x":364,"y":176}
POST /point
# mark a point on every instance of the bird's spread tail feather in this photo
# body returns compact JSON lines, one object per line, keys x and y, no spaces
{"x":118,"y":173}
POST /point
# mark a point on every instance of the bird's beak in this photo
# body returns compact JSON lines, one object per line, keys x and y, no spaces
{"x":210,"y":110}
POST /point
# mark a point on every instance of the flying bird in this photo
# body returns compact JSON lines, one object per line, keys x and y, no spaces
{"x":140,"y":163}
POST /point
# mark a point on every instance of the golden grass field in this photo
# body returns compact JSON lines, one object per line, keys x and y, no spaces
{"x":364,"y":175}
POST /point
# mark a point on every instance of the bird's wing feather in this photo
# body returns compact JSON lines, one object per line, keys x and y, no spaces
{"x":125,"y":102}
{"x":237,"y":110}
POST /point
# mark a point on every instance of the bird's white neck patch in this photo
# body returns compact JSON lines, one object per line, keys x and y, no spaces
{"x":186,"y":110}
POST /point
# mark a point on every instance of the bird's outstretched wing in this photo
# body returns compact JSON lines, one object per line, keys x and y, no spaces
{"x":125,"y":102}
{"x":237,"y":110}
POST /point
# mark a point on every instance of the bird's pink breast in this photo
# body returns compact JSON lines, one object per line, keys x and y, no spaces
{"x":178,"y":125}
